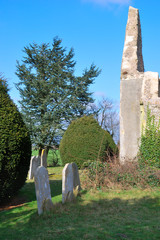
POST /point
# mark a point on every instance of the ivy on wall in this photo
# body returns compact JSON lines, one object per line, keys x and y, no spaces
{"x":149,"y":150}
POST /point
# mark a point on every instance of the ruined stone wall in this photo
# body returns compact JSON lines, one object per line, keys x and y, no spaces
{"x":130,"y":117}
{"x":138,"y":90}
{"x":150,"y":94}
{"x":132,"y":61}
{"x":131,"y":87}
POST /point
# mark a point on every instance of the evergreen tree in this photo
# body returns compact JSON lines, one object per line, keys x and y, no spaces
{"x":51,"y":95}
{"x":15,"y":150}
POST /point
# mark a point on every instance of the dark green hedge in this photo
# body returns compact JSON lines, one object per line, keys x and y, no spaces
{"x":84,"y":141}
{"x":15,"y":146}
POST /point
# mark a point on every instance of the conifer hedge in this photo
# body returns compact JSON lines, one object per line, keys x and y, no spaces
{"x":15,"y":146}
{"x":84,"y":141}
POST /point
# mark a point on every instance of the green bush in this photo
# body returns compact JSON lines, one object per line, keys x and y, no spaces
{"x":84,"y":141}
{"x":149,"y":151}
{"x":15,"y":150}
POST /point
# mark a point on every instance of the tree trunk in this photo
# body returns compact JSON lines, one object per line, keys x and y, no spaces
{"x":40,"y":151}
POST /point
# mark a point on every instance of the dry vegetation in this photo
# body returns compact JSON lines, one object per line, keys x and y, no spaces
{"x":113,"y":175}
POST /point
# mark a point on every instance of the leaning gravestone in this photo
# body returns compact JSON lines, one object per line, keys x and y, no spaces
{"x":34,"y":164}
{"x":43,"y":194}
{"x":44,"y":158}
{"x":70,"y":182}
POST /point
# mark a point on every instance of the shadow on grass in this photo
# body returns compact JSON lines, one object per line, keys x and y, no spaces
{"x":87,"y":219}
{"x":28,"y":190}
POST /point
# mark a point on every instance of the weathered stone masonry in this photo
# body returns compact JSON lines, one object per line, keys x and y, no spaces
{"x":137,"y":90}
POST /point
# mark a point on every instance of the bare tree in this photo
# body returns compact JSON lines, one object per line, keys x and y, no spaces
{"x":107,"y":114}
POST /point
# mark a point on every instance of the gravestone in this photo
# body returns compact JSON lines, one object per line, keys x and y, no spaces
{"x":34,"y":164}
{"x":70,"y":182}
{"x":44,"y":158}
{"x":42,"y":187}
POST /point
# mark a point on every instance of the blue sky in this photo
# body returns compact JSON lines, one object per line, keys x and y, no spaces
{"x":94,"y":28}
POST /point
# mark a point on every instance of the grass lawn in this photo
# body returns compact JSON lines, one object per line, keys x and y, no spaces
{"x":133,"y":214}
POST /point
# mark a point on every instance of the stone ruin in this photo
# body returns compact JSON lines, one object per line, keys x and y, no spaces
{"x":138,"y":89}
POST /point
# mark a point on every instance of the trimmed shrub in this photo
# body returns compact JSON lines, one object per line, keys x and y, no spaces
{"x":15,"y":146}
{"x":85,"y":141}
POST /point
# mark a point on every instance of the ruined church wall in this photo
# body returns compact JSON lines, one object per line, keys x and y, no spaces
{"x":132,"y":73}
{"x":130,"y":118}
{"x":132,"y":60}
{"x":138,"y":90}
{"x":150,"y":94}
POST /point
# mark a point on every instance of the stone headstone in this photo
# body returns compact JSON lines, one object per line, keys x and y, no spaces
{"x":34,"y":164}
{"x":42,"y":187}
{"x":44,"y":158}
{"x":70,"y":182}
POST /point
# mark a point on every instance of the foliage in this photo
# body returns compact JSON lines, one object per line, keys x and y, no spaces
{"x":149,"y":151}
{"x":51,"y":95}
{"x":15,"y":150}
{"x":113,"y":175}
{"x":85,"y":140}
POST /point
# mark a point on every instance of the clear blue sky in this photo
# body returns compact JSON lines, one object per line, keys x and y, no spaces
{"x":94,"y":28}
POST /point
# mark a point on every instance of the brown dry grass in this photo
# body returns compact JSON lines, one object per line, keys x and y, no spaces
{"x":113,"y":175}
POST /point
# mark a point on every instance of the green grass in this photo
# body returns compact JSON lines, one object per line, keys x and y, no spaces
{"x":133,"y":214}
{"x":52,"y":157}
